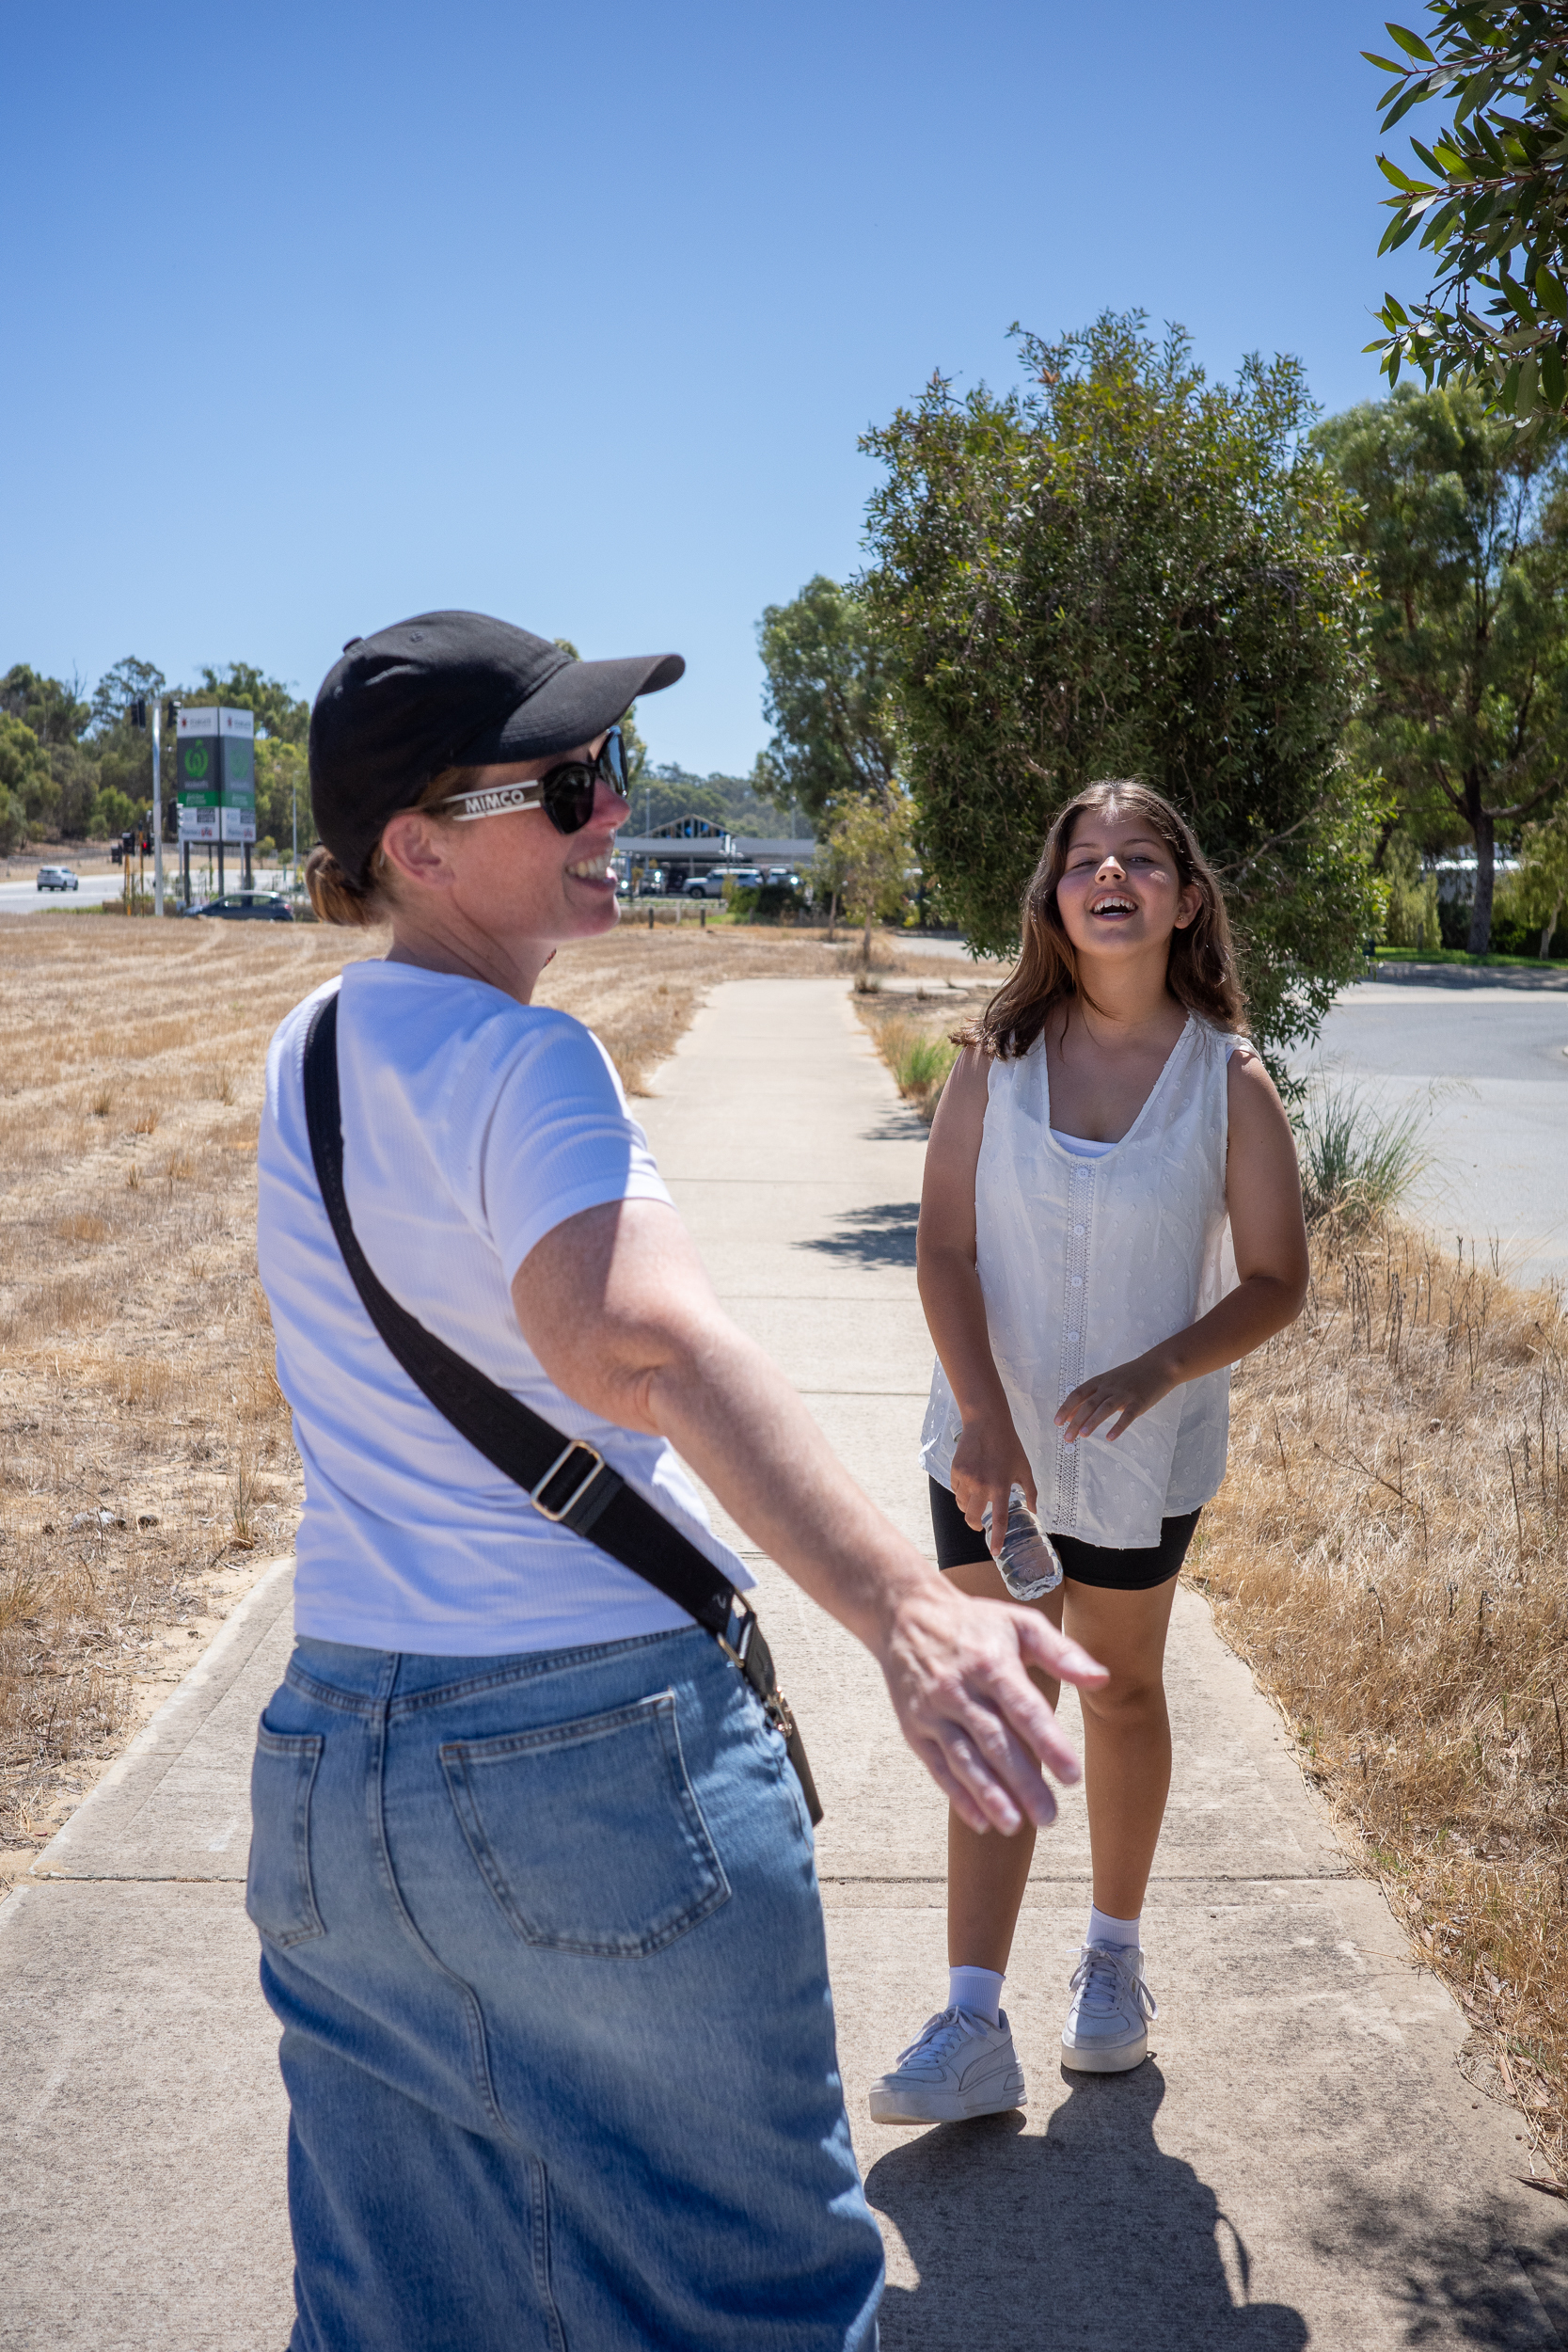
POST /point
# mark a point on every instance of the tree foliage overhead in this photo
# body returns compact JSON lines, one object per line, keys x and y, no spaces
{"x":1493,"y":209}
{"x":1124,"y":570}
{"x":827,"y":699}
{"x":1460,"y":520}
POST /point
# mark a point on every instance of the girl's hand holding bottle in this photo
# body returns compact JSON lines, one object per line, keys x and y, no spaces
{"x":988,"y":1463}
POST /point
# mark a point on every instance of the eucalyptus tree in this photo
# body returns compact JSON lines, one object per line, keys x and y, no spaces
{"x":1491,"y":205}
{"x":1458,"y":518}
{"x":826,"y":698}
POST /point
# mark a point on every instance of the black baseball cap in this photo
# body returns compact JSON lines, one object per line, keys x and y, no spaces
{"x":450,"y":689}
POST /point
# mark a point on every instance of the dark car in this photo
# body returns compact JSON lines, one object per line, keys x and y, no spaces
{"x":243,"y":906}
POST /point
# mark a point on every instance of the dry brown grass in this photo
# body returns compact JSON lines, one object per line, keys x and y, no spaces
{"x":913,"y":1018}
{"x":147,"y":1454}
{"x":1389,"y":1553}
{"x":147,"y":1459}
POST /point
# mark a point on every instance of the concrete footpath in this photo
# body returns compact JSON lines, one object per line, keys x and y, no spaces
{"x":1301,"y":2162}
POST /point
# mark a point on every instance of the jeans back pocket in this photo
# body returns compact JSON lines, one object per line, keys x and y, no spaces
{"x":588,"y":1834}
{"x":277,"y":1891}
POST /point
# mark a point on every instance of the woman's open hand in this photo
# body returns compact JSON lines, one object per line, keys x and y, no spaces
{"x":958,"y":1673}
{"x":1126,"y":1392}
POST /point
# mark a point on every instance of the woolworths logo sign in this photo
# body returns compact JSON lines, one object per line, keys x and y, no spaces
{"x":218,"y":775}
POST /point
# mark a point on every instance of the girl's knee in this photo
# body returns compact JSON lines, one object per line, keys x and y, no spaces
{"x":1127,"y":1698}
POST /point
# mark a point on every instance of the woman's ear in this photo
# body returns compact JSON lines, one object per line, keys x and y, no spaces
{"x":418,"y":850}
{"x":1188,"y":905}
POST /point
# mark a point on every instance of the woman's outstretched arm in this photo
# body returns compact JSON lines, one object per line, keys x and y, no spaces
{"x":617,"y":1308}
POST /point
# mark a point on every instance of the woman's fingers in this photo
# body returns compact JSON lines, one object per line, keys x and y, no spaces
{"x":1045,"y":1646}
{"x":998,"y":1773}
{"x":957,"y":1672}
{"x":969,"y":1811}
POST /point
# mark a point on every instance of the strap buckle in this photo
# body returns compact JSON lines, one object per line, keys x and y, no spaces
{"x":584,"y":1480}
{"x":736,"y":1640}
{"x":741,"y":1642}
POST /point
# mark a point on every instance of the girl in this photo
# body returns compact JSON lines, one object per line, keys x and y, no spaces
{"x":1105,"y":1120}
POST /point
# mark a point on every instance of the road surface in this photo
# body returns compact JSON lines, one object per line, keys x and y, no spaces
{"x":1483,"y":1055}
{"x":26,"y":898}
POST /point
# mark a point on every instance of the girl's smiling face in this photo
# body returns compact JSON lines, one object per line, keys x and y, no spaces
{"x":1120,"y":892}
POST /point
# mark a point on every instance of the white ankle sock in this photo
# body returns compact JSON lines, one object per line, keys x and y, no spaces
{"x":979,"y":1989}
{"x":1104,"y":1930}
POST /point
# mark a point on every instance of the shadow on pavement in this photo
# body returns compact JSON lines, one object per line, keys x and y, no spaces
{"x":1455,"y":2287}
{"x":882,"y":1235}
{"x":1091,"y":2238}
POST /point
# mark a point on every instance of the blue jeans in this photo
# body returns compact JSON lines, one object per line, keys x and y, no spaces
{"x":544,"y":1936}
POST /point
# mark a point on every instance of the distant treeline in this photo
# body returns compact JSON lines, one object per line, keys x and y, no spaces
{"x":72,"y":768}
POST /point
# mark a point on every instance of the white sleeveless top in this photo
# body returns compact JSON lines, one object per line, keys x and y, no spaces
{"x":1083,"y":1263}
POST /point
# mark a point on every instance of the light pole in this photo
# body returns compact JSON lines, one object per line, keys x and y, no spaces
{"x":139,"y":714}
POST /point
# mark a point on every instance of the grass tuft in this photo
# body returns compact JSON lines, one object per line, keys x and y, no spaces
{"x":1358,"y":1160}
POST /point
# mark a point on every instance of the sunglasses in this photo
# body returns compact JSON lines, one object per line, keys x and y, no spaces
{"x":566,"y":794}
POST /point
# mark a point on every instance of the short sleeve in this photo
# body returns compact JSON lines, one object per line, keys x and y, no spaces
{"x":559,"y":1139}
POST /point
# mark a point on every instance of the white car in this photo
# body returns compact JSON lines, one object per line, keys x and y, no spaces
{"x":58,"y":878}
{"x":711,"y":884}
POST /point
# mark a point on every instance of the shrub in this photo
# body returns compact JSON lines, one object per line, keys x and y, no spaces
{"x":769,"y":902}
{"x":1357,"y":1160}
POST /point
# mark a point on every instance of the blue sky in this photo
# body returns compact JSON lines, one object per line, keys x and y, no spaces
{"x":317,"y":316}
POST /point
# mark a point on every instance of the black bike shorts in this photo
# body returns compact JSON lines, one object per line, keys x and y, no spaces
{"x":961,"y":1546}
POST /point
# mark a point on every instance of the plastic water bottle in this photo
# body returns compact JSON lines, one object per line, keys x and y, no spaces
{"x":1028,"y":1559}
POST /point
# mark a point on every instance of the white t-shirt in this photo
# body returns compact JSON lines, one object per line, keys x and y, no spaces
{"x":472,"y":1126}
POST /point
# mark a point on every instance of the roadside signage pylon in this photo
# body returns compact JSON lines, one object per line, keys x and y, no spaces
{"x":217,"y":784}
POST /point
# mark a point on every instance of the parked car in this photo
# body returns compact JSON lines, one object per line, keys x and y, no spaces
{"x":711,"y":884}
{"x":242,"y":906}
{"x":58,"y":878}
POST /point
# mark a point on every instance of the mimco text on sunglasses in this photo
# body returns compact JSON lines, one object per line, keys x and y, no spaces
{"x":566,"y":794}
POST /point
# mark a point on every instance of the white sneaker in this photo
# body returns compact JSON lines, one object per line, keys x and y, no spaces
{"x":1106,"y":2030}
{"x":960,"y":2065}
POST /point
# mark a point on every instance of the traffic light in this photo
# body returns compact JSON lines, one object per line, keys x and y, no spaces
{"x":146,"y":841}
{"x":137,"y":712}
{"x":127,"y":843}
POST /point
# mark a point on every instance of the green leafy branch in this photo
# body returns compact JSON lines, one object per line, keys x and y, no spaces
{"x":1494,"y":212}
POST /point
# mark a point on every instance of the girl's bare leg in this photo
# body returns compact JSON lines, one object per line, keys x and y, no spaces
{"x":987,"y":1875}
{"x":1126,"y":1736}
{"x":1126,"y":1770}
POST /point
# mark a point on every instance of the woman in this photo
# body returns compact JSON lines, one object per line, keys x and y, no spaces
{"x":1105,"y":1120}
{"x":532,"y":1874}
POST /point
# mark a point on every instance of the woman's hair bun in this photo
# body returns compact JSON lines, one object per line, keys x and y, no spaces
{"x":334,"y":896}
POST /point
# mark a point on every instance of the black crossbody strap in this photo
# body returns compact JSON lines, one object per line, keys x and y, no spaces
{"x":566,"y":1480}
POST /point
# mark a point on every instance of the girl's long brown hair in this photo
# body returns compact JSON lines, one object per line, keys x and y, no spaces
{"x":1201,"y":973}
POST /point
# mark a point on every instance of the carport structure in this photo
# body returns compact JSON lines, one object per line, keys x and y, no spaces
{"x":686,"y":848}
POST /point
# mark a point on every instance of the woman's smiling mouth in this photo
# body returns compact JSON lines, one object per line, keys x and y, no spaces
{"x":1114,"y":905}
{"x":592,"y":868}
